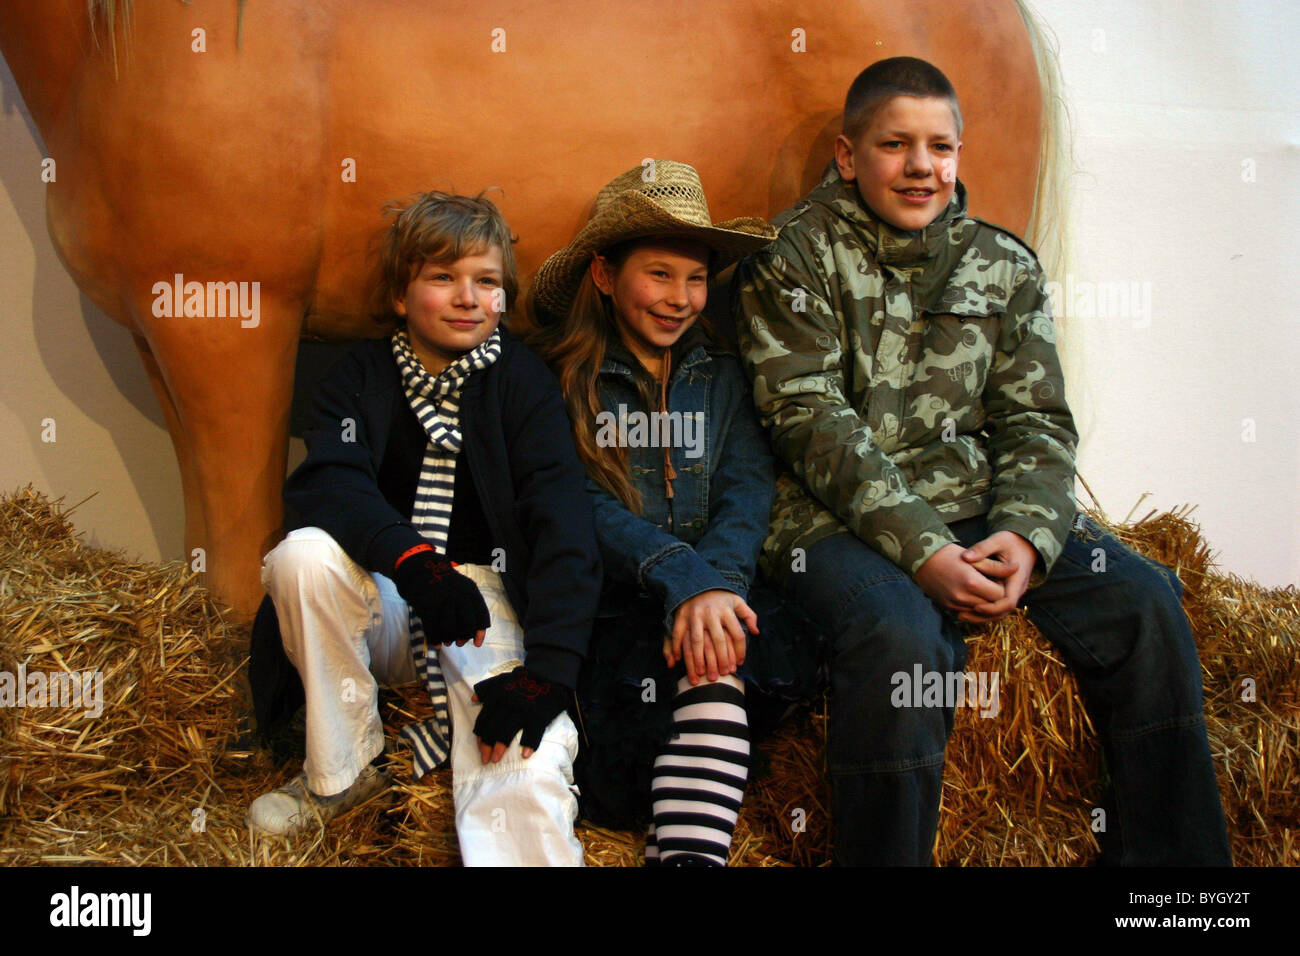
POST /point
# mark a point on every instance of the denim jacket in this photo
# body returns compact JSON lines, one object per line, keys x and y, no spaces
{"x":708,"y":535}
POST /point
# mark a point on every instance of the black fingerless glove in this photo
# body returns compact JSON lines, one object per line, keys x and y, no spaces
{"x":449,"y":604}
{"x":517,"y":701}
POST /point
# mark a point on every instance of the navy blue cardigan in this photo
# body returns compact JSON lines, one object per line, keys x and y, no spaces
{"x":529,"y":481}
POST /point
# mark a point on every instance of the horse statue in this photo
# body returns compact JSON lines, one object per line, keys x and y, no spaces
{"x":222,"y":165}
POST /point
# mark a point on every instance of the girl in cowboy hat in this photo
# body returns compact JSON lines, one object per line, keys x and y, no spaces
{"x":681,"y":478}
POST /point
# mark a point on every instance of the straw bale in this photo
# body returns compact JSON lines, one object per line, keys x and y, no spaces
{"x":165,"y":775}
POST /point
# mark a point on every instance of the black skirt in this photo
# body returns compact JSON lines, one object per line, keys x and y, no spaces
{"x":626,"y":689}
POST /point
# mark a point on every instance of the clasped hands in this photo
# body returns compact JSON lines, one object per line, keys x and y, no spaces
{"x":980,"y":583}
{"x":708,"y":634}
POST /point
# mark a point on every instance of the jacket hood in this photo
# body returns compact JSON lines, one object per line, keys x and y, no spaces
{"x":888,"y":244}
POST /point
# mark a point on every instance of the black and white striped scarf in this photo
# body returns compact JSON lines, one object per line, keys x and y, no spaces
{"x":436,"y":403}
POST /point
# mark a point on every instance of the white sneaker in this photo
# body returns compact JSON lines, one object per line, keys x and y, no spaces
{"x":294,"y":807}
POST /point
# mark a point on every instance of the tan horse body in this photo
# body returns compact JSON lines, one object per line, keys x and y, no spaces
{"x":232,"y":165}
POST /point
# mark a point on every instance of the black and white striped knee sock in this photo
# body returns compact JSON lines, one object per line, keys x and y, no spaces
{"x":651,"y":847}
{"x":700,"y":775}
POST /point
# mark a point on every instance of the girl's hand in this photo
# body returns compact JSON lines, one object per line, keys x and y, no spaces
{"x":707,"y":634}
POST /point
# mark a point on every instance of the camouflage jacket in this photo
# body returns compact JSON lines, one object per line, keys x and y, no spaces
{"x":909,"y":379}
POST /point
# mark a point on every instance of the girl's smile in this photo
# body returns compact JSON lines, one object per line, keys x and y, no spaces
{"x":658,"y":292}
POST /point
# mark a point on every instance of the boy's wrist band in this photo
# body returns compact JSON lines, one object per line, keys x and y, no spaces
{"x":411,"y":551}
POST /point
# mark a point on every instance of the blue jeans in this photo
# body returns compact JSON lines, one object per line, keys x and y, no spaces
{"x":1121,"y":631}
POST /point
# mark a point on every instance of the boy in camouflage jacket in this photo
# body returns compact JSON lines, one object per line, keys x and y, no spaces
{"x":904,"y":357}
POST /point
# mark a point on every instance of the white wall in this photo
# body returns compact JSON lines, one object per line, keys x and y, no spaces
{"x":1169,"y":100}
{"x":1175,"y":105}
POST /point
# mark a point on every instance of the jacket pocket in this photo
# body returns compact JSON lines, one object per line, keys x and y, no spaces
{"x":944,"y":393}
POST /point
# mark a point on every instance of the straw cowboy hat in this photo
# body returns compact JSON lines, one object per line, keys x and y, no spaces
{"x":657,"y":198}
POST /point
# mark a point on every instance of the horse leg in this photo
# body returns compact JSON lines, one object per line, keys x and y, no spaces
{"x":195,"y":531}
{"x":229,"y":389}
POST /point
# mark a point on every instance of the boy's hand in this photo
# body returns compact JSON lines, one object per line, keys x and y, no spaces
{"x":449,"y":604}
{"x":513,"y":702}
{"x":707,"y":634}
{"x":1012,"y":551}
{"x":960,"y":586}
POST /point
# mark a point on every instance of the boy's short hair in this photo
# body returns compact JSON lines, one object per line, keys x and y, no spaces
{"x":440,"y":227}
{"x":885,"y":79}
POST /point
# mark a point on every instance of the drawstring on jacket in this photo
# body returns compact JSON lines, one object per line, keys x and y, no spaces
{"x":669,"y":472}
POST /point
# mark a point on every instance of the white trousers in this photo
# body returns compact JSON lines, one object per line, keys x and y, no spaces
{"x":347,"y":630}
